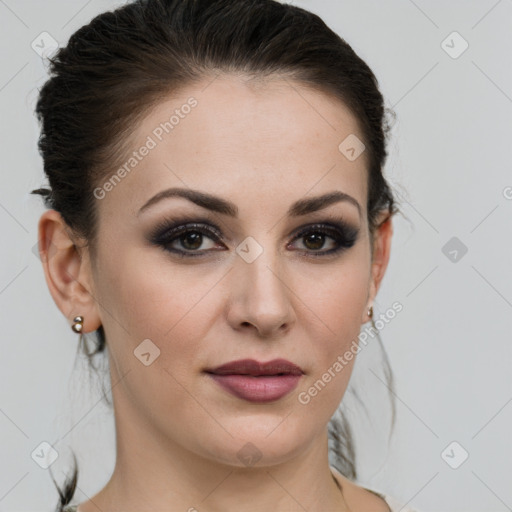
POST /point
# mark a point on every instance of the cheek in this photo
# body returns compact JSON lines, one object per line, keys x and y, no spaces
{"x":332,"y":320}
{"x":152,"y":301}
{"x":151,"y":298}
{"x":336,"y":296}
{"x":148,"y":294}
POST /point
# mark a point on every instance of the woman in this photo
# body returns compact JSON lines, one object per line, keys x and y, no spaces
{"x":218,"y":216}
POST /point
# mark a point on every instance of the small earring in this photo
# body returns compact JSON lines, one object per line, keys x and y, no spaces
{"x":78,"y":324}
{"x":370,"y":311}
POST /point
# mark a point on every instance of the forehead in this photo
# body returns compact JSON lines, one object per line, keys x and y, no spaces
{"x":243,"y":139}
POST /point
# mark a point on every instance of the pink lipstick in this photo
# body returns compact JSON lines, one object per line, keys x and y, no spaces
{"x":257,"y":382}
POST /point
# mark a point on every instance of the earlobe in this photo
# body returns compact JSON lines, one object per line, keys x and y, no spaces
{"x":67,"y":273}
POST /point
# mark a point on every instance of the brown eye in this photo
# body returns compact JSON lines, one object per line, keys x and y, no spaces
{"x":315,"y":241}
{"x":191,"y":239}
{"x":314,"y":237}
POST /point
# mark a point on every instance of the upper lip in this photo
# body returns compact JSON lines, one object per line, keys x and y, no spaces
{"x":256,"y":368}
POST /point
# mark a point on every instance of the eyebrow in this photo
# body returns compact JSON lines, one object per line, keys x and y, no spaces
{"x":219,"y":205}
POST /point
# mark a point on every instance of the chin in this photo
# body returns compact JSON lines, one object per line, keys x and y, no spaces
{"x":267,"y":443}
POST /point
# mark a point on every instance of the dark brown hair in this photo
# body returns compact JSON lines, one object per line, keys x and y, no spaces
{"x":125,"y":61}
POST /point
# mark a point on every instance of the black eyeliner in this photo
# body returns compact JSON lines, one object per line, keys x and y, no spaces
{"x":169,"y":230}
{"x":344,"y":234}
{"x":168,"y":225}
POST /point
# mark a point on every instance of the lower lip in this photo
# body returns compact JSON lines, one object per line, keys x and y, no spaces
{"x":257,"y":389}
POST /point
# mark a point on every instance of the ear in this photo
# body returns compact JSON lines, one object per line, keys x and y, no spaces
{"x":67,"y":271}
{"x":380,"y":257}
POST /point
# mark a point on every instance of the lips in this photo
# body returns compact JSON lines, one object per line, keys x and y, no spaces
{"x":255,"y":368}
{"x":255,"y":381}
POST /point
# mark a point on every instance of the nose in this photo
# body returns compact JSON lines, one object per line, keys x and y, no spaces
{"x":261,"y":296}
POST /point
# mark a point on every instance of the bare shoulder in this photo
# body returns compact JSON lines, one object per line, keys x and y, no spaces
{"x":360,"y":499}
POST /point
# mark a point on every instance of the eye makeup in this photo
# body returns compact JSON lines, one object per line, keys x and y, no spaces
{"x":185,"y":231}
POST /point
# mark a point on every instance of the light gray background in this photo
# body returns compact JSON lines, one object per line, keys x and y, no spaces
{"x":450,"y":347}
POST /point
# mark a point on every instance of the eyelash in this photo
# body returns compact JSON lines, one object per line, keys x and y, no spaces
{"x":167,"y":231}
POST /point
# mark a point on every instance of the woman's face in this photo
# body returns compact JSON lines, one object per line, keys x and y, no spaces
{"x":243,"y":283}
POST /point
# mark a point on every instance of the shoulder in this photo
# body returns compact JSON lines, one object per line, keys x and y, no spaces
{"x":363,"y":498}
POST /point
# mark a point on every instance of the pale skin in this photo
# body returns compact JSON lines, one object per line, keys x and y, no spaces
{"x":178,"y":433}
